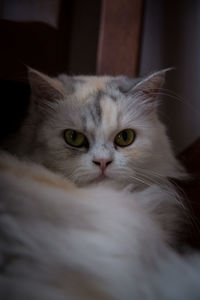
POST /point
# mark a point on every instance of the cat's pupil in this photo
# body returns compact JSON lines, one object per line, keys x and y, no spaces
{"x":124,"y":135}
{"x":73,"y":135}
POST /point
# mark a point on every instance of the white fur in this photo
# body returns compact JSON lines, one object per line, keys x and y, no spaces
{"x":94,"y":243}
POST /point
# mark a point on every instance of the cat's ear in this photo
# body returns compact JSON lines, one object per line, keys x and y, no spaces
{"x":151,"y":85}
{"x":149,"y":88}
{"x":44,"y":88}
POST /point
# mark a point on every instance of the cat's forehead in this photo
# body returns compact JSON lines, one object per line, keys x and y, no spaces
{"x":82,"y":86}
{"x":100,"y":111}
{"x":87,"y":85}
{"x":96,"y":102}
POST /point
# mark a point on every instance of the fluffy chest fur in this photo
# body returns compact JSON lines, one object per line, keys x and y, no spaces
{"x":62,"y":242}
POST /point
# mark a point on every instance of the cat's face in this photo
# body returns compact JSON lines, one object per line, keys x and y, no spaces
{"x":94,"y":129}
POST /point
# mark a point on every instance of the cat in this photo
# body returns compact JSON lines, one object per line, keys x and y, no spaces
{"x":101,"y":110}
{"x":89,"y":209}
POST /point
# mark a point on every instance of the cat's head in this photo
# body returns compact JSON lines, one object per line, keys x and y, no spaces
{"x":93,"y":128}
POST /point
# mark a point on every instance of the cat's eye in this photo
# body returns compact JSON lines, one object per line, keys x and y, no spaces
{"x":125,"y":138}
{"x":75,"y":138}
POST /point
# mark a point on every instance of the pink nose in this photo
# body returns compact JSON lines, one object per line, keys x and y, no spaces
{"x":102,"y":163}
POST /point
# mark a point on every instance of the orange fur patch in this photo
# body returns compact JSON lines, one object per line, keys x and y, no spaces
{"x":45,"y":179}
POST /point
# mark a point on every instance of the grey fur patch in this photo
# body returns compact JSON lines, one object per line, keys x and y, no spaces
{"x":68,"y":83}
{"x":84,"y":122}
{"x":123,"y":83}
{"x":113,"y":97}
{"x":95,"y":107}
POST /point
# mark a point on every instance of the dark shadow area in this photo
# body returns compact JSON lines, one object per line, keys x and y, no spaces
{"x":84,"y":35}
{"x":191,"y":160}
{"x":27,"y":43}
{"x":70,"y":48}
{"x":14,"y":103}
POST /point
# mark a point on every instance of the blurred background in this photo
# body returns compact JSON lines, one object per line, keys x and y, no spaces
{"x":129,"y":37}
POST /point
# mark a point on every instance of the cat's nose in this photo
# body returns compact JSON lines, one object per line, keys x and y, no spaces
{"x":102,"y":163}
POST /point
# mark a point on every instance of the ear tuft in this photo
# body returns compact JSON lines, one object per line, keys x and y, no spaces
{"x":44,"y":88}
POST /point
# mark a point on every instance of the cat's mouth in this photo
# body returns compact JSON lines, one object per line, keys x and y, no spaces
{"x":99,"y":178}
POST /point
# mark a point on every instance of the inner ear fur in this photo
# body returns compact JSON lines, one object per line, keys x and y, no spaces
{"x":150,"y":86}
{"x":44,"y":88}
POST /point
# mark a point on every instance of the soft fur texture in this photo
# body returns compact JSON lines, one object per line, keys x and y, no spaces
{"x":91,"y":236}
{"x":61,"y":242}
{"x":101,"y":107}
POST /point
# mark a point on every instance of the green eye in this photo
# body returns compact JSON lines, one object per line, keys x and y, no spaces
{"x":75,"y":138}
{"x":125,"y":138}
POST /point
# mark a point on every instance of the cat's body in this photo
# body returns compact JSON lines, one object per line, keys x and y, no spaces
{"x":61,"y":242}
{"x":92,"y":241}
{"x":74,"y":240}
{"x":101,"y":107}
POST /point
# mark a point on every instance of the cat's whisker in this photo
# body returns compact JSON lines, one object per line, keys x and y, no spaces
{"x":174,"y":96}
{"x":177,"y":196}
{"x":187,"y":207}
{"x":152,"y":178}
{"x":140,"y":180}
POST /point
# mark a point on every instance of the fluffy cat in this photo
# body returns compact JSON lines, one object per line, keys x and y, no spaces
{"x":100,"y":110}
{"x":97,"y":225}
